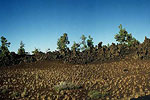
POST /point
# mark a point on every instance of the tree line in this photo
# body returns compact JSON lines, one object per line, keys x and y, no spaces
{"x":123,"y":37}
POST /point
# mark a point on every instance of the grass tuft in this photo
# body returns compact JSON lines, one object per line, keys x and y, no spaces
{"x":96,"y":94}
{"x":66,"y":86}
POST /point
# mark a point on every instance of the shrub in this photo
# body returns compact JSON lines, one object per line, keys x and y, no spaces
{"x":66,"y":86}
{"x":36,"y":51}
{"x":4,"y":90}
{"x":15,"y":94}
{"x":96,"y":94}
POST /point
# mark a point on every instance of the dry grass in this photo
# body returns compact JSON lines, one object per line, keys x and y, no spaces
{"x":120,"y":80}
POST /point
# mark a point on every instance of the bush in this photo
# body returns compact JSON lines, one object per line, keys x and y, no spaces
{"x":66,"y":86}
{"x":96,"y":94}
{"x":36,"y":51}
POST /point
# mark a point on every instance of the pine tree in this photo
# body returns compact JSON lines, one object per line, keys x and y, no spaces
{"x":4,"y":47}
{"x":90,"y":42}
{"x":63,"y":42}
{"x":83,"y":43}
{"x":21,"y":50}
{"x":124,"y":38}
{"x":75,"y":46}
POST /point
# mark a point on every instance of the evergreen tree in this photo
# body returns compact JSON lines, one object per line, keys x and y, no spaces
{"x":75,"y":46}
{"x":83,"y":43}
{"x":90,"y":42}
{"x":63,"y":42}
{"x":124,"y":38}
{"x":21,"y":50}
{"x":131,"y":40}
{"x":4,"y":47}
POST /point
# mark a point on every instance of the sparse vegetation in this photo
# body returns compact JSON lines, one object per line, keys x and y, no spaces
{"x":81,"y":53}
{"x":4,"y":91}
{"x":101,"y":80}
{"x":66,"y":86}
{"x":15,"y":95}
{"x":113,"y":72}
{"x":94,"y":94}
{"x":24,"y":93}
{"x":36,"y":51}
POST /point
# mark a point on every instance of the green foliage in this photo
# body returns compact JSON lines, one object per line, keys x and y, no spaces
{"x":124,"y":38}
{"x":66,"y":86}
{"x":108,"y":45}
{"x":21,"y":50}
{"x":94,"y":94}
{"x":4,"y":47}
{"x":86,"y":44}
{"x":83,"y":43}
{"x":4,"y":91}
{"x":24,"y":93}
{"x":15,"y":94}
{"x":75,"y":46}
{"x":36,"y":51}
{"x":62,"y":42}
{"x":90,"y":42}
{"x":132,"y":41}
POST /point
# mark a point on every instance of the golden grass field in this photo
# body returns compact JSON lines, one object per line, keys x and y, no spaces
{"x":54,"y":80}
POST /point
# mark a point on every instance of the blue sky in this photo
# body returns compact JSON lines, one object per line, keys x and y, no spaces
{"x":39,"y":23}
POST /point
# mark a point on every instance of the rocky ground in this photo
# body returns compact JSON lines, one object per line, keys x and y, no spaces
{"x":54,"y":80}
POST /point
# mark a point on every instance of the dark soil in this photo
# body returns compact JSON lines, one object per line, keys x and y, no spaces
{"x":124,"y":79}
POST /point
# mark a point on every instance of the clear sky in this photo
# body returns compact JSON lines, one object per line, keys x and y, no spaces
{"x":39,"y":23}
